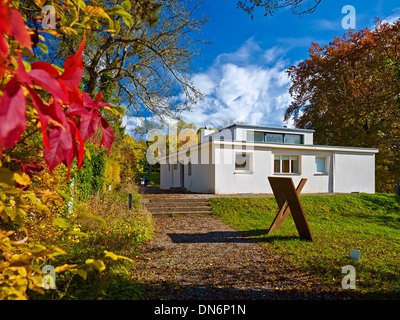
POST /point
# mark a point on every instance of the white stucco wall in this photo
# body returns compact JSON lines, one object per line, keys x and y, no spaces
{"x":203,"y":172}
{"x":346,"y":171}
{"x":256,"y":180}
{"x":316,"y":182}
{"x":213,"y":169}
{"x":229,"y":180}
{"x":354,"y":172}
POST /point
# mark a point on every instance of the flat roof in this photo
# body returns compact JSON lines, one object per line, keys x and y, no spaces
{"x":269,"y":128}
{"x":282,"y":146}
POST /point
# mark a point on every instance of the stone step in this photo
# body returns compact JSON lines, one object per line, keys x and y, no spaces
{"x":176,"y":204}
{"x":170,"y":213}
{"x":179,"y":206}
{"x":173,"y":200}
{"x":178,"y":209}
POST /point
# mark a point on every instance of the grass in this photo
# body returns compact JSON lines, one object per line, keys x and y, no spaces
{"x":124,"y":232}
{"x":338,"y":223}
{"x":154,"y":178}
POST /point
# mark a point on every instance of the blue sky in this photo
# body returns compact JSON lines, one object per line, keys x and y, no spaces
{"x":242,"y":72}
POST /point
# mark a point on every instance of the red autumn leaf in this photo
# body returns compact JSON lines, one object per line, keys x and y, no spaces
{"x":98,"y":97}
{"x":88,"y":101}
{"x":41,"y":77}
{"x":11,"y":23}
{"x":73,"y":68}
{"x":19,"y":31}
{"x":79,"y":151}
{"x":43,"y":117}
{"x":5,"y":27}
{"x":12,"y":114}
{"x":47,"y":113}
{"x":76,"y":109}
{"x":61,"y":147}
{"x":107,"y":134}
{"x":46,"y":67}
{"x":88,"y":124}
{"x":32,"y":167}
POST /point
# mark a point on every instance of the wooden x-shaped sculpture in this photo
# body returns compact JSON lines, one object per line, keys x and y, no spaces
{"x":287,"y":197}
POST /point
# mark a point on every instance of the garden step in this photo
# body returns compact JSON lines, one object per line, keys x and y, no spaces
{"x":170,"y":213}
{"x":181,"y":206}
{"x":173,"y":200}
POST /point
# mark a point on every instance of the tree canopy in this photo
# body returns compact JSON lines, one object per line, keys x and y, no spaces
{"x":348,"y":91}
{"x":147,"y":59}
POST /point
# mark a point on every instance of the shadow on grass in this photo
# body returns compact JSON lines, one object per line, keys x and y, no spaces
{"x":261,"y":235}
{"x":248,"y":236}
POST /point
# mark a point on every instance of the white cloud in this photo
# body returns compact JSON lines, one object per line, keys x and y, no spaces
{"x":249,"y":85}
{"x":204,"y":83}
{"x":271,"y":55}
{"x":394,"y":17}
{"x":324,"y":24}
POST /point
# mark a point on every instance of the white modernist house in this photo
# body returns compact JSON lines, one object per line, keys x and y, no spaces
{"x":240,"y":158}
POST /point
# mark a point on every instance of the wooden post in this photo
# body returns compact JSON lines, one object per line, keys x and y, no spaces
{"x":130,"y":201}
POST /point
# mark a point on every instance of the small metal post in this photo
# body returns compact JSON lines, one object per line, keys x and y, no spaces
{"x":398,"y":187}
{"x":130,"y":201}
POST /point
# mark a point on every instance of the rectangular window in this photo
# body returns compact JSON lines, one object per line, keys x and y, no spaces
{"x":286,"y":164}
{"x":294,"y":164}
{"x":242,"y":161}
{"x":277,"y":164}
{"x":254,"y":136}
{"x":274,"y":137}
{"x":320,"y":165}
{"x":293,"y":138}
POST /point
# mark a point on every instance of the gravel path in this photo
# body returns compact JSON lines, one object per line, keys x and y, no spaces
{"x":200,"y":257}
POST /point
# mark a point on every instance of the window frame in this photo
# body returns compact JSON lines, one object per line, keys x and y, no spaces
{"x":249,"y":169}
{"x":326,"y":172}
{"x":290,"y":164}
{"x":284,"y":135}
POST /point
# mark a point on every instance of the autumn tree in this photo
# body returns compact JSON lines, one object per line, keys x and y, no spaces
{"x":43,"y":105}
{"x":298,"y":7}
{"x":348,"y":93}
{"x":147,"y":59}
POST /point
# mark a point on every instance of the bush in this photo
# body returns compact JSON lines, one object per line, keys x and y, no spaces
{"x":111,"y":227}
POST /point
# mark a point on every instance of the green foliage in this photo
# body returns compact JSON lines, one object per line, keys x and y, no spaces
{"x":29,"y":210}
{"x":112,"y":244}
{"x":348,"y":92}
{"x":90,"y":179}
{"x":107,"y":85}
{"x":338,"y":223}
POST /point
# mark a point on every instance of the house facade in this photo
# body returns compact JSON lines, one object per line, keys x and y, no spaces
{"x":240,"y":158}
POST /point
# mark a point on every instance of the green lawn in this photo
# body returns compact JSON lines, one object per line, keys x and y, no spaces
{"x":338,"y":223}
{"x":154,"y":178}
